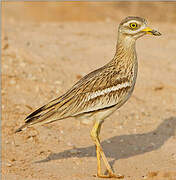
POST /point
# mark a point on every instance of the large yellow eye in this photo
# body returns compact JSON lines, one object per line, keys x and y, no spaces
{"x":133,"y":25}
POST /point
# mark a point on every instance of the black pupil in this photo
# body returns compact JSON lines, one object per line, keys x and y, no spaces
{"x":133,"y":25}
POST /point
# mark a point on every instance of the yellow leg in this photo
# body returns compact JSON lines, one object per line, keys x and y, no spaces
{"x":95,"y":137}
{"x":98,"y":161}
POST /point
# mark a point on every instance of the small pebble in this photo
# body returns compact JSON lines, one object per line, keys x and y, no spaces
{"x":137,"y":116}
{"x":121,"y":140}
{"x":29,"y":76}
{"x":144,"y":177}
{"x":41,"y":69}
{"x":69,"y":144}
{"x":12,"y":82}
{"x":152,"y":174}
{"x":138,"y":124}
{"x":41,"y":152}
{"x":5,"y":46}
{"x":120,"y":127}
{"x":57,"y":91}
{"x":30,"y":138}
{"x":78,"y":76}
{"x":108,"y":141}
{"x":28,"y":43}
{"x":74,"y":151}
{"x":134,"y":130}
{"x":22,"y":64}
{"x":58,"y":82}
{"x":174,"y":156}
{"x":153,"y":144}
{"x":86,"y":122}
{"x":158,"y":88}
{"x":9,"y":164}
{"x":13,"y":159}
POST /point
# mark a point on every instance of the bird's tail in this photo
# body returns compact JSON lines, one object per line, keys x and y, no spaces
{"x":45,"y":114}
{"x":27,"y":124}
{"x":40,"y":119}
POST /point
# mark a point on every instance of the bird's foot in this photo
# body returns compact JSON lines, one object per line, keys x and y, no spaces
{"x":110,"y":175}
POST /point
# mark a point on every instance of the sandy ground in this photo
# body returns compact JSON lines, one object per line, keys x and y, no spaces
{"x":40,"y":61}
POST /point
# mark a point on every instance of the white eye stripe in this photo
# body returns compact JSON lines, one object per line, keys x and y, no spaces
{"x":134,"y":31}
{"x":129,"y":22}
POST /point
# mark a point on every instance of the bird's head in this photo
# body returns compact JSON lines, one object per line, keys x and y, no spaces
{"x":136,"y":27}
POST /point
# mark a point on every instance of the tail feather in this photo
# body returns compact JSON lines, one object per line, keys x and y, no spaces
{"x":27,"y":123}
{"x":37,"y":119}
{"x":33,"y":114}
{"x":20,"y":128}
{"x":46,"y":114}
{"x":43,"y":108}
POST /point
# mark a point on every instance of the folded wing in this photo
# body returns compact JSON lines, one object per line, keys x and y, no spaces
{"x":95,"y":91}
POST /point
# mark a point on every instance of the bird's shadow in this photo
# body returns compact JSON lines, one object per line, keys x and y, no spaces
{"x":124,"y":146}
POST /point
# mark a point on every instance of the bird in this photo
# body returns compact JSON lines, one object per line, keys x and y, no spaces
{"x":98,"y":94}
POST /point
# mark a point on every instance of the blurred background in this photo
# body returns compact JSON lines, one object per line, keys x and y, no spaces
{"x":46,"y":48}
{"x":88,"y":11}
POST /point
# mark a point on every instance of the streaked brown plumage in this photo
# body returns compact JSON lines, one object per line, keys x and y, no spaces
{"x":101,"y":92}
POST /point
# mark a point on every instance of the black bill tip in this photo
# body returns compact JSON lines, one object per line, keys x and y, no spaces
{"x":155,"y":33}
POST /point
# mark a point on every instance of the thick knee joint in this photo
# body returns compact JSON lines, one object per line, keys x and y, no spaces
{"x":94,"y":135}
{"x":96,"y":131}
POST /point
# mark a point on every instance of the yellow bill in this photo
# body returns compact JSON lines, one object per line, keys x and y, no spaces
{"x":151,"y":31}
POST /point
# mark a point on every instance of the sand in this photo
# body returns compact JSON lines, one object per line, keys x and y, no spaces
{"x":41,"y":60}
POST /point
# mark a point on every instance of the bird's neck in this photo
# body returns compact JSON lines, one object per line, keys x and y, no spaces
{"x":125,"y":49}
